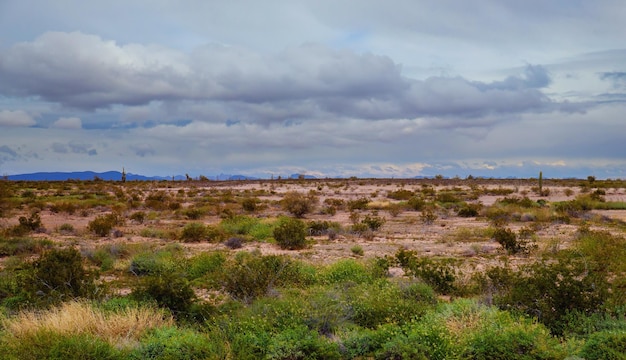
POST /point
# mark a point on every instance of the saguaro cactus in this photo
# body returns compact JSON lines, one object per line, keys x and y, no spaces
{"x":540,"y":183}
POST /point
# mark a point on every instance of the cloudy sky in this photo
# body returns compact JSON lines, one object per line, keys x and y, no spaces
{"x":399,"y":88}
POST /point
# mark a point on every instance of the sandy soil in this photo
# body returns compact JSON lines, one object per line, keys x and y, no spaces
{"x":403,"y":231}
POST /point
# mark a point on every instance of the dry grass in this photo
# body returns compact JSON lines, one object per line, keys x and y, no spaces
{"x":469,"y":234}
{"x":80,"y":318}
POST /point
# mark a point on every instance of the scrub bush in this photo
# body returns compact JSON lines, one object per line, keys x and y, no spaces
{"x":168,"y":290}
{"x":59,"y":275}
{"x":103,"y":224}
{"x":290,"y":234}
{"x":605,"y":345}
{"x":194,"y":232}
{"x":436,"y":273}
{"x":298,"y":204}
{"x":252,"y":275}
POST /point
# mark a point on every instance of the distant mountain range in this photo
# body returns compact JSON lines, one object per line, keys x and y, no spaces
{"x":110,"y":176}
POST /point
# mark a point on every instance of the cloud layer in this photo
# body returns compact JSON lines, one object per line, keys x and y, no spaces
{"x":332,"y":89}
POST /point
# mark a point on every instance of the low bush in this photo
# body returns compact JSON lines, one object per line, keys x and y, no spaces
{"x":23,"y":246}
{"x":469,"y":210}
{"x":382,"y":302}
{"x":605,"y":345}
{"x":26,"y":225}
{"x":373,"y":222}
{"x":290,"y":234}
{"x":401,"y":194}
{"x":194,"y":232}
{"x":156,"y":262}
{"x":247,"y":226}
{"x":252,"y":275}
{"x":298,"y":204}
{"x":500,"y":335}
{"x":301,"y":343}
{"x":103,"y":224}
{"x":437,"y":273}
{"x":174,"y":343}
{"x":234,"y":243}
{"x":138,"y":216}
{"x":59,"y":275}
{"x":346,"y":270}
{"x":59,"y":346}
{"x":550,"y":291}
{"x":169,"y":290}
{"x":206,"y":264}
{"x":358,"y":204}
{"x":250,"y":204}
{"x":416,"y":203}
{"x":322,"y":227}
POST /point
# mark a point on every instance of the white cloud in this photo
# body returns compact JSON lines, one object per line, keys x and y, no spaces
{"x":68,"y":123}
{"x":17,"y":118}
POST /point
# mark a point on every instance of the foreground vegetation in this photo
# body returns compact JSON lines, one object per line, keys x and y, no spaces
{"x":200,"y":270}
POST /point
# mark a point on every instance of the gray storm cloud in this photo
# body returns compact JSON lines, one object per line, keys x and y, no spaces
{"x":84,"y":71}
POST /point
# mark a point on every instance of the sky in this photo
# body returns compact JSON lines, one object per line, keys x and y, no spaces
{"x":400,"y":88}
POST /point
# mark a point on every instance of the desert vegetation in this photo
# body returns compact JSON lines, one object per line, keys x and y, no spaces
{"x":313,"y":269}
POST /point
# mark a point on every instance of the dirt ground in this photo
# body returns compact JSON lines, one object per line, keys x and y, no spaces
{"x":443,"y":238}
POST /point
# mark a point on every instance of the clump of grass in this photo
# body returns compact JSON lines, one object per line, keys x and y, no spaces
{"x":357,"y":250}
{"x":471,"y":234}
{"x":80,"y":318}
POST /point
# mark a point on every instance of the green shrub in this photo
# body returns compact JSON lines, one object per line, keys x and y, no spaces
{"x":138,"y":216}
{"x":447,"y":197}
{"x":101,"y":257}
{"x":103,"y":224}
{"x":373,"y":222}
{"x":194,"y":213}
{"x":438,"y":274}
{"x":194,"y":232}
{"x":358,"y":204}
{"x":26,"y":225}
{"x":506,"y":337}
{"x":345,"y":270}
{"x":206,"y":264}
{"x":301,"y":343}
{"x":401,"y":194}
{"x":469,"y":210}
{"x":382,"y":302}
{"x":173,"y":343}
{"x":22,"y":246}
{"x":416,"y":203}
{"x":550,"y":291}
{"x":252,"y":275}
{"x":247,"y":225}
{"x":418,"y":340}
{"x":55,"y":346}
{"x":428,"y":216}
{"x":154,"y":263}
{"x":290,"y":234}
{"x":605,"y":345}
{"x":250,"y":204}
{"x":357,"y":250}
{"x":298,"y":204}
{"x":508,"y":239}
{"x":66,"y":228}
{"x":169,"y":290}
{"x":58,"y":275}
